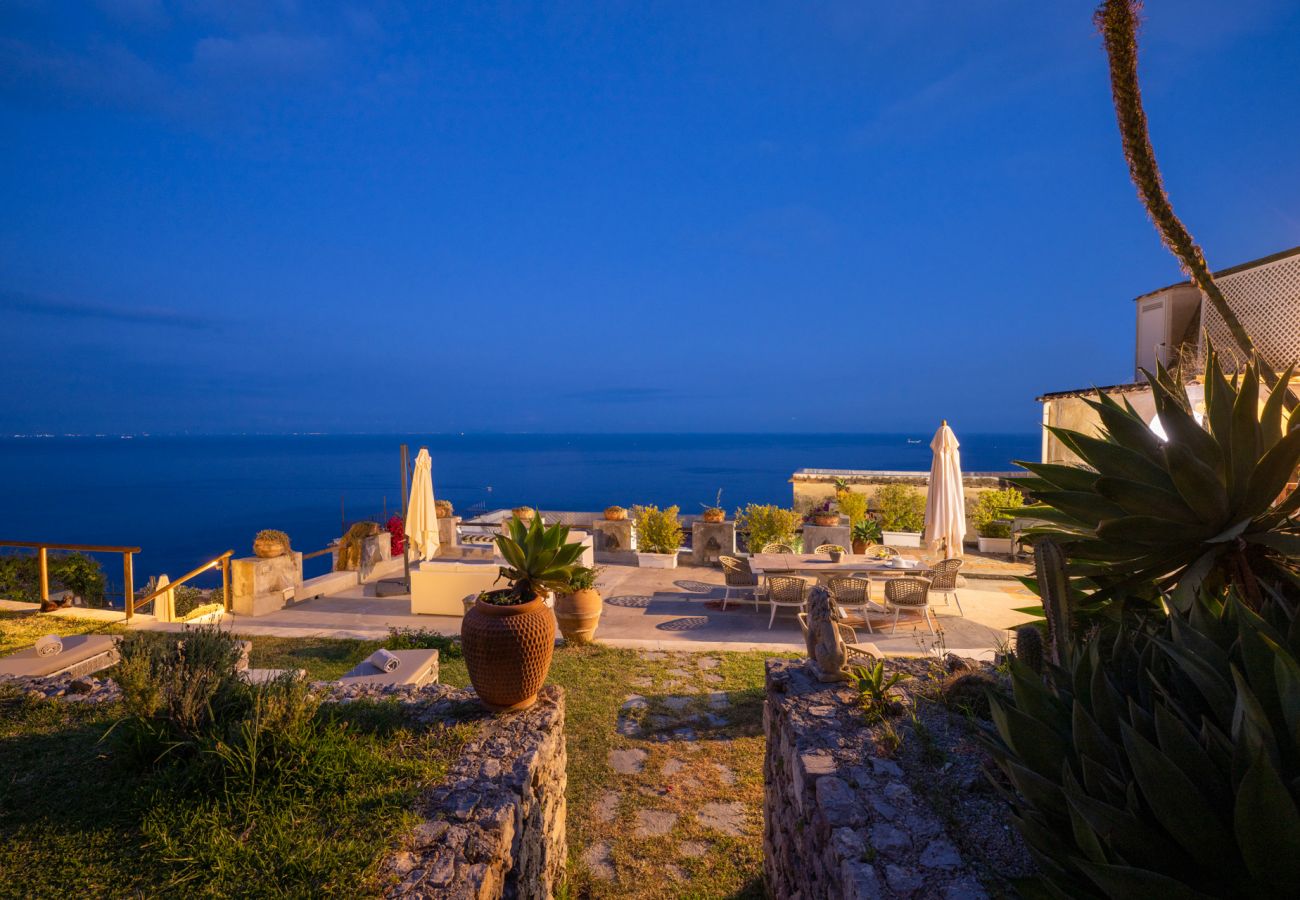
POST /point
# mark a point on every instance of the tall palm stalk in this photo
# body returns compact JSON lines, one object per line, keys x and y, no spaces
{"x":1117,"y":20}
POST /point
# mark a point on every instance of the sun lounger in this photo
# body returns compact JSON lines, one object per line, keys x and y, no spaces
{"x":81,"y":655}
{"x":417,"y":668}
{"x":264,"y":676}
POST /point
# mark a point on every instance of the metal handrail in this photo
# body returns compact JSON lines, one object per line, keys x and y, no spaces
{"x":42,"y":555}
{"x":223,"y":561}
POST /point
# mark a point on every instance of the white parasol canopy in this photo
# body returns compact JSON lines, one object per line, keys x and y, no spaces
{"x":421,"y":518}
{"x":945,"y":505}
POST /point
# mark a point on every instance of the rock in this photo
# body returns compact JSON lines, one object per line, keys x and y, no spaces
{"x":903,"y":882}
{"x":719,"y":700}
{"x":80,"y":686}
{"x":627,"y":761}
{"x":708,"y":662}
{"x":713,"y":720}
{"x":965,"y":889}
{"x":889,"y":840}
{"x":677,"y":704}
{"x":886,"y":767}
{"x":635,"y":701}
{"x":654,"y":822}
{"x":940,"y":854}
{"x":692,"y":849}
{"x":728,"y":818}
{"x":596,"y":859}
{"x":897,"y":792}
{"x":837,"y":802}
{"x":859,"y":880}
{"x":672,"y":767}
{"x":606,"y":807}
{"x":627,"y":727}
{"x":725,"y":775}
{"x":685,"y":735}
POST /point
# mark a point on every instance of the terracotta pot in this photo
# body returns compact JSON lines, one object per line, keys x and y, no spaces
{"x":443,"y":509}
{"x":714,"y":515}
{"x":524,"y":513}
{"x":508,"y":651}
{"x":268,"y":548}
{"x":826,"y":520}
{"x":859,"y":547}
{"x":578,"y":614}
{"x":615,"y":514}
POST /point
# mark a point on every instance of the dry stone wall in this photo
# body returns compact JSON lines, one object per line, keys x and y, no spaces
{"x":839,"y":822}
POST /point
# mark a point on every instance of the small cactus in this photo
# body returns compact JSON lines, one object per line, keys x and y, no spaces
{"x":969,"y":691}
{"x":1029,"y":647}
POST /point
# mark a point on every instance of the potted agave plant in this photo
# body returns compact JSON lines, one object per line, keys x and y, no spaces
{"x":508,"y":635}
{"x":865,"y":533}
{"x":578,"y":606}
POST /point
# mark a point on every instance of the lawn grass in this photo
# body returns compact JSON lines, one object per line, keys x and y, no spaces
{"x":78,"y":819}
{"x":19,"y":629}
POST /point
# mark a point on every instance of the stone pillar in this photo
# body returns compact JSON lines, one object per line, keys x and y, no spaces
{"x":709,"y":540}
{"x":816,"y":535}
{"x":259,"y":586}
{"x":614,"y":537}
{"x":448,"y":535}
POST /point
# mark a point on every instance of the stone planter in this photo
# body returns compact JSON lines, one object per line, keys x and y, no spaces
{"x":995,"y":545}
{"x":656,"y":560}
{"x":901,"y":538}
{"x":578,"y":615}
{"x":709,"y":540}
{"x":508,"y":651}
{"x":816,"y":535}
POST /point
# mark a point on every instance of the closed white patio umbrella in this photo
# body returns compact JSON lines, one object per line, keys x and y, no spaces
{"x":945,"y":506}
{"x":421,"y":518}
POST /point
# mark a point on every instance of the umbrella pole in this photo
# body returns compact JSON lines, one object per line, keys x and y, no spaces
{"x":406,"y":538}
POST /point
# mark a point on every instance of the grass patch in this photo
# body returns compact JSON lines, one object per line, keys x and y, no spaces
{"x":19,"y":629}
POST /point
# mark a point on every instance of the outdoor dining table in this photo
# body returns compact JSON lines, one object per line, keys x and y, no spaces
{"x":820,"y":564}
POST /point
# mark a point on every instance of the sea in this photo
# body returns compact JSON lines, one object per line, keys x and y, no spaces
{"x":186,"y":499}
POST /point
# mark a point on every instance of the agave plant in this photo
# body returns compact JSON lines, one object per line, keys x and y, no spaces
{"x":1199,"y":510}
{"x":1161,"y":763}
{"x":538,"y":559}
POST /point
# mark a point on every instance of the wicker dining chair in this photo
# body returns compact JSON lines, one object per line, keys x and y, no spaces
{"x":943,"y":580}
{"x":738,"y":576}
{"x":908,"y":593}
{"x":830,"y":548}
{"x":785,"y":590}
{"x":852,"y":596}
{"x":774,"y":547}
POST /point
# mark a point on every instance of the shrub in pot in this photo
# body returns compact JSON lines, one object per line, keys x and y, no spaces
{"x":865,"y":533}
{"x":578,"y":606}
{"x":508,"y":635}
{"x":658,"y":536}
{"x":902,"y":514}
{"x":270,"y":543}
{"x":990,"y":518}
{"x":443,"y":509}
{"x":824,"y":514}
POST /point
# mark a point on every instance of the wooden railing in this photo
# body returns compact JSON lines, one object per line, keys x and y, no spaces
{"x":42,"y":555}
{"x":222,"y":562}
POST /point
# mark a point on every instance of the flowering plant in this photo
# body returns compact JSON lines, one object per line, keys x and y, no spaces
{"x":396,"y":534}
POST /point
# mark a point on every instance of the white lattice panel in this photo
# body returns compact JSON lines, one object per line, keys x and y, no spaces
{"x":1267,"y":301}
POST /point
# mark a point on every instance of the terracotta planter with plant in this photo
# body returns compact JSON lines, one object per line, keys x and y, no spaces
{"x":443,"y":509}
{"x":508,"y":636}
{"x":615,"y":514}
{"x":578,"y":607}
{"x":270,"y":543}
{"x":524,"y":514}
{"x":865,"y":534}
{"x":715,"y":513}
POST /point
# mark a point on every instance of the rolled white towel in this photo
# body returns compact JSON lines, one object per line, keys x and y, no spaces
{"x":50,"y":645}
{"x":384,"y":661}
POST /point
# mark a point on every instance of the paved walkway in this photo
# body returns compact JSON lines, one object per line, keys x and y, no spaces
{"x":657,"y":609}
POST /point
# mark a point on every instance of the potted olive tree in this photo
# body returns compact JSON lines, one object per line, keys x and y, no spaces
{"x":508,"y":635}
{"x":578,"y":606}
{"x":902,"y":514}
{"x":658,"y":536}
{"x":992,"y":518}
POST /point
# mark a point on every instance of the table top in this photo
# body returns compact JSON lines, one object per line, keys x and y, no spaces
{"x":821,"y":562}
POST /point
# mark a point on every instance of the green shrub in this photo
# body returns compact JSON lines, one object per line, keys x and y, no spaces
{"x":990,"y":512}
{"x":657,"y":530}
{"x":766,"y":524}
{"x":20,"y":577}
{"x":853,"y":505}
{"x":423,"y":639}
{"x":901,"y":507}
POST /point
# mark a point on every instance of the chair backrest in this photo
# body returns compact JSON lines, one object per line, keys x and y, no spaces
{"x":830,"y":548}
{"x":943,"y":575}
{"x":907,"y":591}
{"x":786,"y":589}
{"x":736,"y":571}
{"x":774,"y":547}
{"x":850,"y":591}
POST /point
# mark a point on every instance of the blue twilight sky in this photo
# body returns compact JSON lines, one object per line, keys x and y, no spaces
{"x":250,"y":215}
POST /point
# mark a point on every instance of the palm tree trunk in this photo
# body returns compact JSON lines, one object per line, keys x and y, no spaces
{"x":1117,"y":20}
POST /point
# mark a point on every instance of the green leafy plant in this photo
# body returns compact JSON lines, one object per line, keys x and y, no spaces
{"x":423,"y":639}
{"x":657,"y":530}
{"x":992,"y":509}
{"x":1198,"y":511}
{"x":854,"y":506}
{"x":1162,"y":760}
{"x":875,"y":689}
{"x":538,"y":559}
{"x":867,"y":530}
{"x":901,"y":507}
{"x":766,"y":523}
{"x":274,"y":535}
{"x":583,"y":578}
{"x":77,"y":572}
